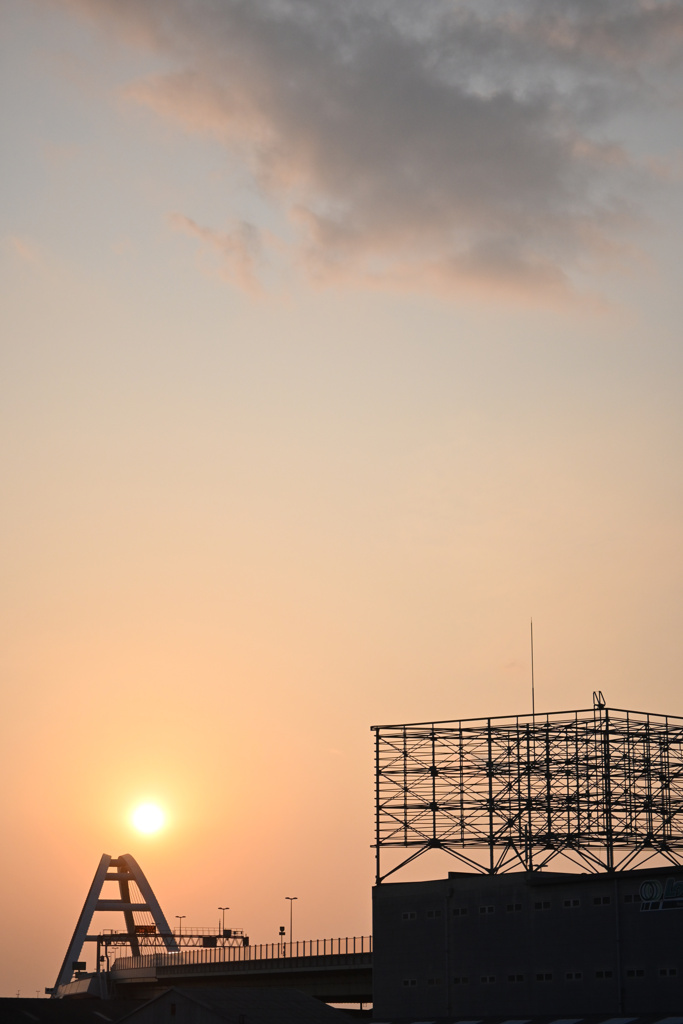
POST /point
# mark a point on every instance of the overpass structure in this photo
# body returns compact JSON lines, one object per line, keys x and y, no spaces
{"x":333,"y":970}
{"x":145,"y":956}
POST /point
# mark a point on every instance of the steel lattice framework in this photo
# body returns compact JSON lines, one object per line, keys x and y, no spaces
{"x":601,"y":787}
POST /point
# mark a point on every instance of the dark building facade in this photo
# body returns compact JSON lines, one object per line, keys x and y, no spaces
{"x":530,"y":943}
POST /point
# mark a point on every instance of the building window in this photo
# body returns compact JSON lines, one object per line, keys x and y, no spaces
{"x":461,"y":980}
{"x":515,"y":977}
{"x":488,"y":979}
{"x":601,"y":900}
{"x":668,"y":972}
{"x":433,"y":981}
{"x":486,"y":910}
{"x":632,"y":897}
{"x":433,"y":913}
{"x":572,"y":903}
{"x":635,"y":972}
{"x":544,"y":977}
{"x":409,"y":982}
{"x":513,"y":907}
{"x":573,"y":976}
{"x":459,"y":911}
{"x":409,"y":915}
{"x":542,"y":905}
{"x":603,"y":975}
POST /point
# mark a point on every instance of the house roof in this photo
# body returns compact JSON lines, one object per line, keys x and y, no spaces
{"x":267,"y":1005}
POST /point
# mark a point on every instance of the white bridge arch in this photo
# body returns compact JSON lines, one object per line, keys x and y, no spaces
{"x":123,"y":870}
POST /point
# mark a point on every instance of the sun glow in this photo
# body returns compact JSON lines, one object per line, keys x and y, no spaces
{"x":148,"y":818}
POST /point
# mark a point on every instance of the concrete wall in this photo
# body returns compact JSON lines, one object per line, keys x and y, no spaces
{"x":529,"y":944}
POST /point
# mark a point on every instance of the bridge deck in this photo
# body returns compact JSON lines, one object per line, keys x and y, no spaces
{"x":338,"y":976}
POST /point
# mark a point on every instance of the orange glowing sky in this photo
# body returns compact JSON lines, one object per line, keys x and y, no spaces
{"x":303,"y":420}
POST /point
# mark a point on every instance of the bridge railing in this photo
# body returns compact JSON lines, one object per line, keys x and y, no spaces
{"x":282,"y":951}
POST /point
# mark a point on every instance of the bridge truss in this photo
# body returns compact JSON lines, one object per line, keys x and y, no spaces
{"x":602,"y":788}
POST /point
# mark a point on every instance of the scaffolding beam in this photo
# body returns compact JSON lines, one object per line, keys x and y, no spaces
{"x":601,"y":787}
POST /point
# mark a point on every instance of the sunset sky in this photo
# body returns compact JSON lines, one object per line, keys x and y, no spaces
{"x":339,"y":338}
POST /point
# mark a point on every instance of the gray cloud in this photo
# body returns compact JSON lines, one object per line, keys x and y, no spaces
{"x":426,"y":144}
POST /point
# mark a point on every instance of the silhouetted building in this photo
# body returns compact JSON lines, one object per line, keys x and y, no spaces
{"x":529,"y":944}
{"x":517,"y":800}
{"x":234,"y":1006}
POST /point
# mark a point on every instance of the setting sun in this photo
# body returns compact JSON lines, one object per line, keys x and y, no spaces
{"x":148,"y":818}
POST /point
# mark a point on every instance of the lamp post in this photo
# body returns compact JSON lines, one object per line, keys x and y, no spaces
{"x":180,"y":922}
{"x":224,"y":909}
{"x":291,"y":904}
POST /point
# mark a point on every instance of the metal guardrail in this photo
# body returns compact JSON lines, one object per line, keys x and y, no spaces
{"x":281,"y":952}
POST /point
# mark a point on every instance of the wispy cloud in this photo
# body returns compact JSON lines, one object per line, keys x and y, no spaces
{"x":427,"y":145}
{"x":239,"y":250}
{"x":25,"y":250}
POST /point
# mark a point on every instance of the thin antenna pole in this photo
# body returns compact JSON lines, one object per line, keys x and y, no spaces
{"x":533,"y":695}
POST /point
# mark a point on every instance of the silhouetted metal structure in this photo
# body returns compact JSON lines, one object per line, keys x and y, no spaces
{"x":135,"y":900}
{"x":601,"y":787}
{"x":335,"y":970}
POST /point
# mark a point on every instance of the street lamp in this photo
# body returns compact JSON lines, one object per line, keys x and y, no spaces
{"x":291,"y":904}
{"x":180,"y":922}
{"x":224,"y":909}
